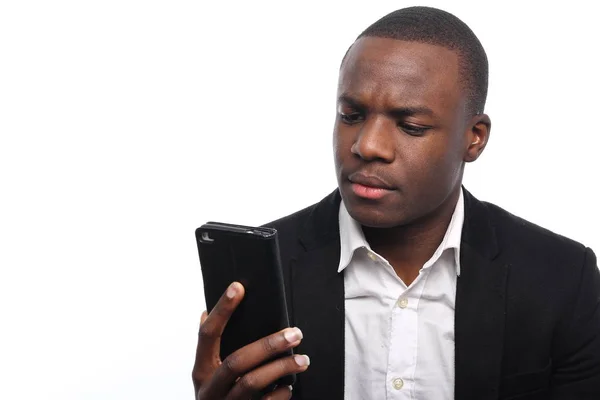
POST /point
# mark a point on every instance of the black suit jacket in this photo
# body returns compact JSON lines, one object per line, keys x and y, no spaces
{"x":527,"y":319}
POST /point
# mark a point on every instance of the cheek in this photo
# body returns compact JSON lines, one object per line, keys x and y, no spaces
{"x":446,"y":174}
{"x":432,"y":166}
{"x":342,"y":144}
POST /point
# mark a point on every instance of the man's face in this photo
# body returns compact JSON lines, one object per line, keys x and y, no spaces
{"x":401,"y":131}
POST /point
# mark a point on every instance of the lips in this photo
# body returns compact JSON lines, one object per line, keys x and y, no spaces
{"x":369,"y":186}
{"x":370,"y":181}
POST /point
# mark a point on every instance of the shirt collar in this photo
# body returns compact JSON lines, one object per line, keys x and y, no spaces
{"x":353,"y":238}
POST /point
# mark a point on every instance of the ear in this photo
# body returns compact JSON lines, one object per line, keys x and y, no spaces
{"x":477,"y":136}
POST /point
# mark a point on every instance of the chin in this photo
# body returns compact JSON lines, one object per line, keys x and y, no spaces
{"x":376,"y":219}
{"x":374,"y":214}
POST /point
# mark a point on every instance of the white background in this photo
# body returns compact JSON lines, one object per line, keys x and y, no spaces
{"x":126,"y":124}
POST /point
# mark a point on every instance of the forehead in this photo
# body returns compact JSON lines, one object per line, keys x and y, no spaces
{"x":390,"y":69}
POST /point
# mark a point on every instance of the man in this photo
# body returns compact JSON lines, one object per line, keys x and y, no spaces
{"x":401,"y":284}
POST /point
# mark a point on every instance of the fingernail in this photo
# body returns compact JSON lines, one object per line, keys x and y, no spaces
{"x":302,"y":360}
{"x":232,"y":290}
{"x":292,"y":335}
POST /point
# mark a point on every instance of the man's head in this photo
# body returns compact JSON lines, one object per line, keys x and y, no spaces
{"x":411,"y":94}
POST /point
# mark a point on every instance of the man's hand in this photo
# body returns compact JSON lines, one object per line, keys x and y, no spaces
{"x":239,"y":376}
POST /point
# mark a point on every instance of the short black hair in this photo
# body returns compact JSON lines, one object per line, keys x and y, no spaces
{"x":438,"y":27}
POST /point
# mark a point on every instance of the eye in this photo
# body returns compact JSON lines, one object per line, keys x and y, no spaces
{"x":413,"y":130}
{"x":351,"y":118}
{"x":350,"y":114}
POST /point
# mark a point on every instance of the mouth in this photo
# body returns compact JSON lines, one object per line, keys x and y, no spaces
{"x":369,"y":186}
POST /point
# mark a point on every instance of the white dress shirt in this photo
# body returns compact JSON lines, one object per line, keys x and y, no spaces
{"x":399,"y":340}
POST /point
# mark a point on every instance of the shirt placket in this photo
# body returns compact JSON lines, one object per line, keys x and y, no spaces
{"x":403,"y":347}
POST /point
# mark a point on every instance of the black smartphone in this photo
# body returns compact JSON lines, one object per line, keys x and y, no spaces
{"x":249,"y":255}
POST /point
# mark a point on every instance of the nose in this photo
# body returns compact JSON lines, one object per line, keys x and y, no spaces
{"x":375,"y":140}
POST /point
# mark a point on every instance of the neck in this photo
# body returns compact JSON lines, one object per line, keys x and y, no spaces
{"x":408,"y":247}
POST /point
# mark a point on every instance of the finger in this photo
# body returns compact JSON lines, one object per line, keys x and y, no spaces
{"x":256,"y":380}
{"x":196,"y":375}
{"x":214,"y":324}
{"x":211,"y":329}
{"x":282,"y":393}
{"x":250,"y":356}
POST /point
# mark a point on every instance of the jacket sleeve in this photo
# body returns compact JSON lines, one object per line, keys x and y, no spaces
{"x":576,"y":342}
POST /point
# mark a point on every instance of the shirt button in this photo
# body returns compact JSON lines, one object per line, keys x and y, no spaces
{"x":403,"y":302}
{"x":398,"y":383}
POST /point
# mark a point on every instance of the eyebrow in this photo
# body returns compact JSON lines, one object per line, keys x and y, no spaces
{"x":396,"y":112}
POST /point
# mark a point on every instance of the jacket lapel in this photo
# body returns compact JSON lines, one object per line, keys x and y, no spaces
{"x":480,"y":307}
{"x":318,"y":303}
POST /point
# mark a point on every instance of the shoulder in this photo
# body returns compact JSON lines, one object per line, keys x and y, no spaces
{"x":298,"y":230}
{"x":518,"y":234}
{"x":290,"y":225}
{"x":317,"y":221}
{"x":509,"y":224}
